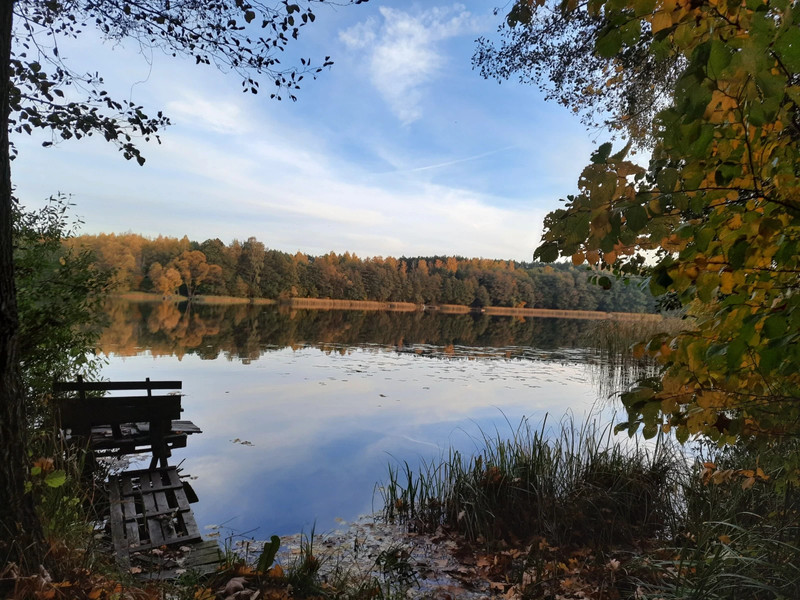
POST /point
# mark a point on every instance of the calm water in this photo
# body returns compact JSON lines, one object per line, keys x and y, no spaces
{"x":301,"y":412}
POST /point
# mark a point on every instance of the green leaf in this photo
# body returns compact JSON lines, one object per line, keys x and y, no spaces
{"x":609,"y":43}
{"x":521,"y":13}
{"x":600,"y":156}
{"x":775,"y":326}
{"x":769,"y":359}
{"x":681,"y":434}
{"x":268,"y":554}
{"x":735,"y":352}
{"x":643,"y":7}
{"x":719,"y":57}
{"x":788,"y":48}
{"x":737,"y":253}
{"x":667,"y":179}
{"x":650,"y":430}
{"x":636,"y":217}
{"x":56,"y":479}
{"x":547,"y":252}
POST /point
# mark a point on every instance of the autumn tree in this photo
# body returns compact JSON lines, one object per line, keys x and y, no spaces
{"x":166,"y":280}
{"x":550,"y":43}
{"x":194,"y":270}
{"x":40,"y":91}
{"x":717,"y":206}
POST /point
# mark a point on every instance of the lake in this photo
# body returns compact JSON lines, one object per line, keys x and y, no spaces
{"x":302,"y":411}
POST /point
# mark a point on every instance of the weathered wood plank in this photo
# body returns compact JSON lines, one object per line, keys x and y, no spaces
{"x":151,"y":509}
{"x":167,"y":524}
{"x":135,"y":445}
{"x":117,"y":521}
{"x":176,"y":484}
{"x":130,"y":513}
{"x":182,"y":539}
{"x":185,"y":427}
{"x":107,"y":411}
{"x":102,"y":386}
{"x":189,"y":524}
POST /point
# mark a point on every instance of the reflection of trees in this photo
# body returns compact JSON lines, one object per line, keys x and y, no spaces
{"x":165,"y":317}
{"x":246,"y":331}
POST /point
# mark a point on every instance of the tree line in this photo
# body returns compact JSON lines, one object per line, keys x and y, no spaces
{"x":171,"y":266}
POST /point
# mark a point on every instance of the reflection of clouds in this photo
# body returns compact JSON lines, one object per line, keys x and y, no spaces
{"x":319,"y":449}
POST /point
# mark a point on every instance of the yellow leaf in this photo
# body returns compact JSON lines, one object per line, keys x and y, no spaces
{"x":748,"y":483}
{"x":276,"y":571}
{"x":45,"y":464}
{"x":577,"y":258}
{"x":661,"y":20}
{"x":726,"y":282}
{"x":735,"y":222}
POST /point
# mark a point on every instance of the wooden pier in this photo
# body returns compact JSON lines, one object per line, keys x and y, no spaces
{"x":153,"y":529}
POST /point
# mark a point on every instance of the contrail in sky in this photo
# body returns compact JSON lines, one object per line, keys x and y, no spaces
{"x":449,"y":162}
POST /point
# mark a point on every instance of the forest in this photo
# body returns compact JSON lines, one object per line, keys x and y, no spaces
{"x":249,"y":269}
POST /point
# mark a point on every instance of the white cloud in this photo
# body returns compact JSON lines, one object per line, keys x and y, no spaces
{"x":221,"y":117}
{"x":405,"y":51}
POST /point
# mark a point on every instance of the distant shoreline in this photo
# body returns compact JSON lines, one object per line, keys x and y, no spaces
{"x":370,"y":305}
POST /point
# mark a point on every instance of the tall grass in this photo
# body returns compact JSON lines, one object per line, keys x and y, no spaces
{"x":724,"y":524}
{"x":737,"y":540}
{"x":574,"y":486}
{"x":614,"y":367}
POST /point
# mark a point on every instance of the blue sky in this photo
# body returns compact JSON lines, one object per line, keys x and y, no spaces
{"x":400,"y":149}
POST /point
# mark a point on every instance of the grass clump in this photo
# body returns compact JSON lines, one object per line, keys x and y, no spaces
{"x":579,"y":512}
{"x":740,"y":529}
{"x":576,"y":487}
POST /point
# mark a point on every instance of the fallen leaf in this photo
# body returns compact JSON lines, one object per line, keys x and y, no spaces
{"x":236,"y":584}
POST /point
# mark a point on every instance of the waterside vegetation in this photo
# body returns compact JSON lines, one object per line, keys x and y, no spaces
{"x":551,"y":513}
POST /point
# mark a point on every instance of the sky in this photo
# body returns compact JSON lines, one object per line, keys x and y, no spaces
{"x":400,"y":149}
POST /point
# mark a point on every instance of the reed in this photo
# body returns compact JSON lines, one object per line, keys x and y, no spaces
{"x":572,"y":486}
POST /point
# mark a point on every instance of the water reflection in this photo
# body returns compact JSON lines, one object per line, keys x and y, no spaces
{"x":245,"y":331}
{"x":324,"y":400}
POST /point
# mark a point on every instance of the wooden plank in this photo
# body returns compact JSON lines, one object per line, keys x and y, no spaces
{"x":139,"y":471}
{"x":190,"y":525}
{"x":107,"y":411}
{"x":135,"y":445}
{"x":159,"y":493}
{"x":203,"y":553}
{"x":185,"y":427}
{"x":117,"y":520}
{"x":182,"y":539}
{"x":159,"y":512}
{"x":130,"y":513}
{"x":151,"y":519}
{"x":176,"y":484}
{"x":102,"y":386}
{"x":185,"y":515}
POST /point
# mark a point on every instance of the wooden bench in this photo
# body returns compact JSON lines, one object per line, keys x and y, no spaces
{"x":127,"y":424}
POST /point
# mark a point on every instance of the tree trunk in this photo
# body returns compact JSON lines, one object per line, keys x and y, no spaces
{"x":21,"y":539}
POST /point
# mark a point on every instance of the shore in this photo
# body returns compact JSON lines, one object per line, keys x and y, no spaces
{"x":370,"y":305}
